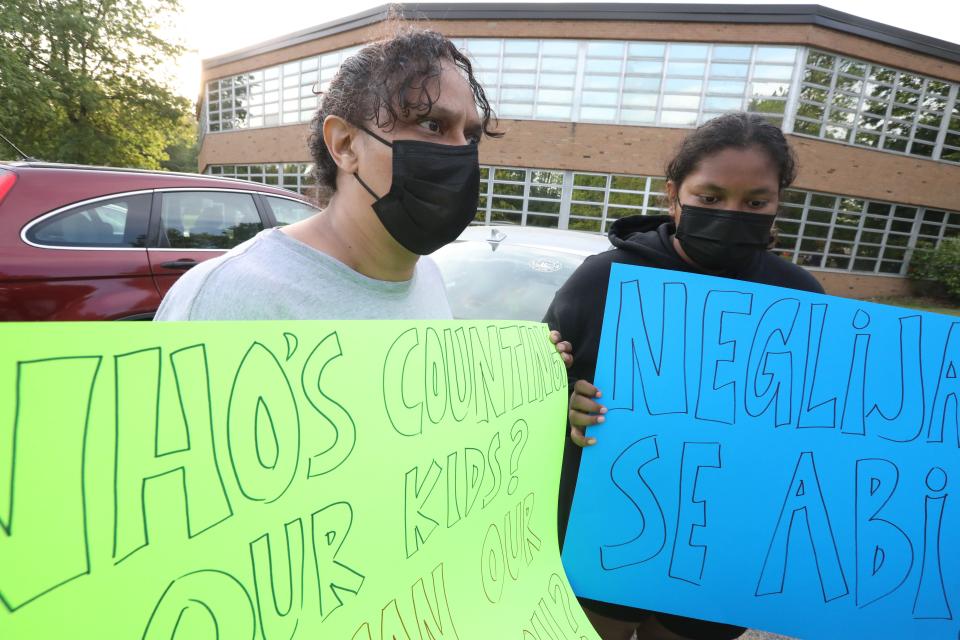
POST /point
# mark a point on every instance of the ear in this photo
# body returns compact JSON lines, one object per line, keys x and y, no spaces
{"x":341,"y":139}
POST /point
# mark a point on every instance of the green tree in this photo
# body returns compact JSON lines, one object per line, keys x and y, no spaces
{"x":183,"y":146}
{"x":83,"y":81}
{"x":936,"y":270}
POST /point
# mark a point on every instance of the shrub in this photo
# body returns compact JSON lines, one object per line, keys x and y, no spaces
{"x":937,"y":270}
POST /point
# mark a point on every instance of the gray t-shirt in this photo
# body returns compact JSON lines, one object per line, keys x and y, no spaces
{"x":275,"y":277}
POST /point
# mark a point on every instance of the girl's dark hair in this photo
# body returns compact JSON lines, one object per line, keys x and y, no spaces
{"x":384,"y":82}
{"x":739,"y":130}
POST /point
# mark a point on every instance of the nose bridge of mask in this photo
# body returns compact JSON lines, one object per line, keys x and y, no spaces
{"x":741,"y":218}
{"x":720,"y":229}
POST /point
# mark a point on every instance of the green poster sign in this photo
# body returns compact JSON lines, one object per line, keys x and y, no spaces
{"x":358,"y":480}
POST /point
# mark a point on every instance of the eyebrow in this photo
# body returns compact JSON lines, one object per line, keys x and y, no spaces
{"x":757,"y":191}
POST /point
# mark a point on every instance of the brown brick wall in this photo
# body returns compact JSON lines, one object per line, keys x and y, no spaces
{"x":824,"y":166}
{"x":862,"y":287}
{"x":255,"y":146}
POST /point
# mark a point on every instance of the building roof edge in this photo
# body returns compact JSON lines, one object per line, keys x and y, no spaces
{"x":800,"y":14}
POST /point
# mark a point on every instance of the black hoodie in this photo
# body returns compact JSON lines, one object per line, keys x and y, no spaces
{"x":577,"y":313}
{"x":647,"y":241}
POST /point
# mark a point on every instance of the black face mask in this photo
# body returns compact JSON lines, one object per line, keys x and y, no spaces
{"x":721,"y":240}
{"x":433,"y":196}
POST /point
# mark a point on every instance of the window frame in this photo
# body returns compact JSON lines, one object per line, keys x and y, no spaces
{"x":889,"y":103}
{"x":27,"y":228}
{"x":268,"y":208}
{"x":153,"y":234}
{"x":820,"y":211}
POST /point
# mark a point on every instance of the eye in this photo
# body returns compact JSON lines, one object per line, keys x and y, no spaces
{"x":706,"y":198}
{"x":758,"y":204}
{"x":473,"y":138}
{"x":430,"y":125}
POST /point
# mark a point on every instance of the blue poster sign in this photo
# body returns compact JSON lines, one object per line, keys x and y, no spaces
{"x":774,"y":459}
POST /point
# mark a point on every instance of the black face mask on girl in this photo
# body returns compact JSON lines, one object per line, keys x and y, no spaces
{"x":722,"y":240}
{"x":433,"y":196}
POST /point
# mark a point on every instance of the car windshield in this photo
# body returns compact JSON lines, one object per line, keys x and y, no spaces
{"x":502,"y":282}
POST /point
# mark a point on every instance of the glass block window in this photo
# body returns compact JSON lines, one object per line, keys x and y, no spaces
{"x":485,"y":56}
{"x":292,"y":176}
{"x":520,"y":196}
{"x":518,"y":77}
{"x":227,"y":102}
{"x":564,"y":199}
{"x":606,"y":81}
{"x":771,"y":74}
{"x":686,"y":72}
{"x":602,"y":81}
{"x":587,"y":201}
{"x":669,"y":84}
{"x":544,"y":196}
{"x":815,"y":230}
{"x":641,"y":83}
{"x":598,"y":200}
{"x":827,"y":231}
{"x":556,"y":80}
{"x":936,"y":225}
{"x":284,"y":94}
{"x":950,"y":152}
{"x":870,"y":105}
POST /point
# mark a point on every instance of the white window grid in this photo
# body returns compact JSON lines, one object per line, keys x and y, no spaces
{"x":856,"y":102}
{"x":639,"y":83}
{"x":278,"y":95}
{"x":806,"y":91}
{"x":564,"y":199}
{"x":294,"y":176}
{"x":822,"y":231}
{"x":842,"y":233}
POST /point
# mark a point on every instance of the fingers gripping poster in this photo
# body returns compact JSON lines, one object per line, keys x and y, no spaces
{"x":361,"y":480}
{"x":773,"y":459}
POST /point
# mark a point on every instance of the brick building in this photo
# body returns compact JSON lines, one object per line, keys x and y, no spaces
{"x":594,"y":98}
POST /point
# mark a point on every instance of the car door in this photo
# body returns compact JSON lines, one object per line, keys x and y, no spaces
{"x":85,"y":261}
{"x":189,"y":226}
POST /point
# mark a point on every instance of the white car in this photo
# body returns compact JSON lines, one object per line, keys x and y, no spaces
{"x":511,"y":272}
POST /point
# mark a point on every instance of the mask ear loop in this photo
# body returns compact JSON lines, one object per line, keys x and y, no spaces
{"x":356,"y":175}
{"x":676,"y":199}
{"x":365,"y":186}
{"x":375,"y":136}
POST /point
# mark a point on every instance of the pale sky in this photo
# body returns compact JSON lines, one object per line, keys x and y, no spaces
{"x":209,"y":29}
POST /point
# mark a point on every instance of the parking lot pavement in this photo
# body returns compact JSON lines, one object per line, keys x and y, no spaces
{"x":754,"y":635}
{"x":762,"y":635}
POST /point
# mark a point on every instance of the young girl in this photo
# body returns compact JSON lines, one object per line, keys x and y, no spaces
{"x":723,"y":189}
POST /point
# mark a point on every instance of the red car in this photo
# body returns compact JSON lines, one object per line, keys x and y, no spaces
{"x":95,"y":243}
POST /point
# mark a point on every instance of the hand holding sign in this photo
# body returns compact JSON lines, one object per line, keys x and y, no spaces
{"x":585,"y":411}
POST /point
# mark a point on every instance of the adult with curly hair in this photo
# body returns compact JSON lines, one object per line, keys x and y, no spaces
{"x":394,"y":144}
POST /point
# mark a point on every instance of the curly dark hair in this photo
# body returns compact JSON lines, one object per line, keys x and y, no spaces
{"x":739,"y":130}
{"x":384,"y":82}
